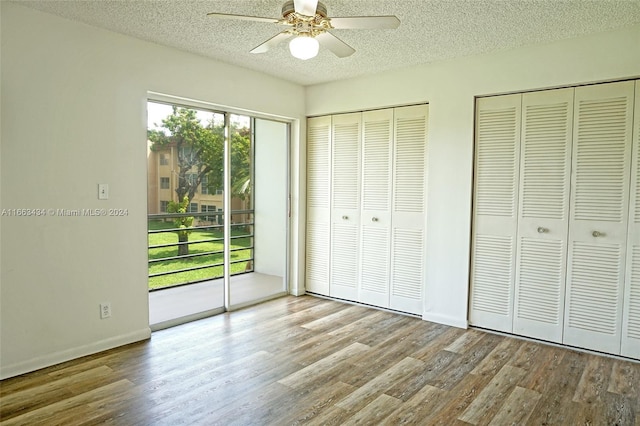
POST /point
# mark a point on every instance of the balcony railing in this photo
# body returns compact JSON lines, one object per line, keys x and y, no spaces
{"x":205,"y":258}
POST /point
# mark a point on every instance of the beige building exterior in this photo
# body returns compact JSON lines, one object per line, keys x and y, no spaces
{"x":162,"y":175}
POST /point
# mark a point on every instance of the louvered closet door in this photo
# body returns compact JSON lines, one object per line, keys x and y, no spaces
{"x":375,"y":230}
{"x":495,"y":211}
{"x":631,"y":309}
{"x":345,"y":205}
{"x":318,"y":204}
{"x":545,"y":168}
{"x":408,"y":230}
{"x":599,"y":211}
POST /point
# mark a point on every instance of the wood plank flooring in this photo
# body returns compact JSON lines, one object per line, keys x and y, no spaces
{"x":306,"y":360}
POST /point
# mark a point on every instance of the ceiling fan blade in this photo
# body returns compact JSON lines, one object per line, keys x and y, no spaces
{"x":272,"y":42}
{"x":365,"y":22}
{"x":334,"y":44}
{"x":243,"y":17}
{"x":305,"y":7}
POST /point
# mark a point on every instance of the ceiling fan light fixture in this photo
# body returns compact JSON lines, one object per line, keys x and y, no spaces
{"x":310,"y":26}
{"x":304,"y":47}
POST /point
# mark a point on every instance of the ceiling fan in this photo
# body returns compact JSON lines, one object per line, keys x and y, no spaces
{"x":309,"y":24}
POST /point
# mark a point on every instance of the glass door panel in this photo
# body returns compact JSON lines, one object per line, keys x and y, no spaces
{"x":259,"y":213}
{"x":185,"y":206}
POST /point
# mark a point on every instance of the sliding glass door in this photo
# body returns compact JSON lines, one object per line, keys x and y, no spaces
{"x":217,"y":211}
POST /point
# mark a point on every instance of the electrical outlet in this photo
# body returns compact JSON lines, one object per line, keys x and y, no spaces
{"x":105,"y":310}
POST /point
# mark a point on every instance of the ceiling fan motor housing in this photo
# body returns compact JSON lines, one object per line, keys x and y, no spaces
{"x":304,"y":25}
{"x":289,"y":8}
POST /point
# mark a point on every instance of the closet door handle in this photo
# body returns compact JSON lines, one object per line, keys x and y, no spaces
{"x":597,"y":234}
{"x":542,"y":230}
{"x":374,"y":219}
{"x":345,"y":217}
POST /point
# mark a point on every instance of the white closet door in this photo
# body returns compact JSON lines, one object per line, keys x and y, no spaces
{"x":345,"y":205}
{"x":375,"y":230}
{"x":631,"y":310}
{"x":545,"y":167}
{"x":495,"y":218}
{"x":408,"y":229}
{"x":318,"y":204}
{"x":599,"y":211}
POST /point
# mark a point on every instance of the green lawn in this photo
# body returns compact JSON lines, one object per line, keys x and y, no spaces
{"x":200,"y":274}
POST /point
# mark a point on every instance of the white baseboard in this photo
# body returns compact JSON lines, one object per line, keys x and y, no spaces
{"x":445,"y":319}
{"x":296,"y":291}
{"x":48,"y":360}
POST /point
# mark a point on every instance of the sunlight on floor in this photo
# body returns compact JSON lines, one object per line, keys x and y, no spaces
{"x":177,"y":305}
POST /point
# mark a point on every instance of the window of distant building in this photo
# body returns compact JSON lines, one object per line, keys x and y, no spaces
{"x":193,"y":208}
{"x":204,"y":185}
{"x":164,"y":160}
{"x":206,"y":209}
{"x":164,"y":183}
{"x":164,"y":205}
{"x":220,"y":217}
{"x":187,"y":153}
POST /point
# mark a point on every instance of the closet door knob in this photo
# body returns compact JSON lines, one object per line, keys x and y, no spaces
{"x":597,"y":234}
{"x":374,"y":219}
{"x":345,"y":217}
{"x":542,"y":230}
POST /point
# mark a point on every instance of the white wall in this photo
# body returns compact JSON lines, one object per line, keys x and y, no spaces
{"x":270,"y":197}
{"x":450,"y":88}
{"x":73,"y":115}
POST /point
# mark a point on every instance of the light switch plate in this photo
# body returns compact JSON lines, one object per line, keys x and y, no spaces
{"x":103,"y":191}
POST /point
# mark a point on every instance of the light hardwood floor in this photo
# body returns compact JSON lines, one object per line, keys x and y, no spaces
{"x":306,"y":360}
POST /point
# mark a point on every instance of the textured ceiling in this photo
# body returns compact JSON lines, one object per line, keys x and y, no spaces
{"x":430,"y":30}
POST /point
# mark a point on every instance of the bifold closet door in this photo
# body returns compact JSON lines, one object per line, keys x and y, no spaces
{"x":631,"y":306}
{"x":545,"y":174}
{"x":345,"y":205}
{"x":601,"y":164}
{"x":408,"y":228}
{"x":497,"y":165}
{"x":375,"y":229}
{"x":318,"y":204}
